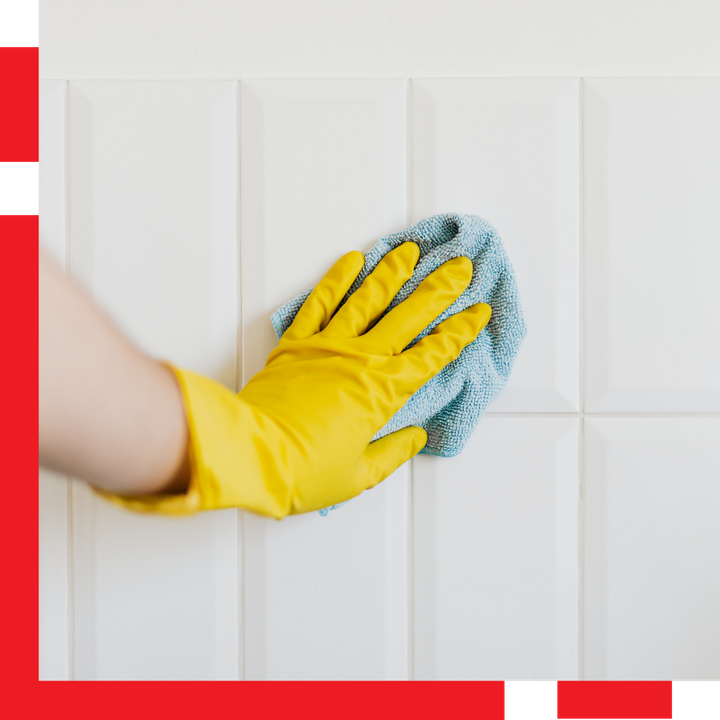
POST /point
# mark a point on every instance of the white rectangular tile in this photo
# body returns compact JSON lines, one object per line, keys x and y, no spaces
{"x":53,"y":650}
{"x":323,"y":172}
{"x":496,"y":555}
{"x":652,"y":548}
{"x":153,"y":214}
{"x":153,"y":187}
{"x":652,"y":189}
{"x":53,"y":631}
{"x":326,"y":597}
{"x":508,"y":150}
{"x":155,"y":597}
{"x":323,"y":166}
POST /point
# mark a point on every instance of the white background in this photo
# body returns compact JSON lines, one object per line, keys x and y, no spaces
{"x":202,"y":162}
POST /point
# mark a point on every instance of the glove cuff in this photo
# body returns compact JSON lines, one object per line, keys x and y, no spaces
{"x":228,"y":456}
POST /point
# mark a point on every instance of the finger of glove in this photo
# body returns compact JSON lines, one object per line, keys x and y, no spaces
{"x":387,"y":454}
{"x":434,"y":295}
{"x":322,"y":302}
{"x":432,"y":353}
{"x":368,"y":303}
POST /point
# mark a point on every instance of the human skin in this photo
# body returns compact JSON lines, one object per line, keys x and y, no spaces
{"x":108,"y":413}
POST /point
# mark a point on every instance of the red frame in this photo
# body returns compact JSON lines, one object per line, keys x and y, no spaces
{"x":19,"y":114}
{"x":613,"y":699}
{"x":25,"y":696}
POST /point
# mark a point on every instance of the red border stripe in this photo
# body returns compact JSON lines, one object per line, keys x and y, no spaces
{"x":614,"y":699}
{"x":19,"y":433}
{"x":298,"y":700}
{"x":19,"y":104}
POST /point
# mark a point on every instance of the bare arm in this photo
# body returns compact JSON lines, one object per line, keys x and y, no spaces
{"x":108,"y":413}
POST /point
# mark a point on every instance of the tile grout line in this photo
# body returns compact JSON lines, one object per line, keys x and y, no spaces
{"x":581,"y":383}
{"x":410,"y":575}
{"x":239,"y":378}
{"x":615,"y":415}
{"x":70,"y":545}
{"x":410,"y":555}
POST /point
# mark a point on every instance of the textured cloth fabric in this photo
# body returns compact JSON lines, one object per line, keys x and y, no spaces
{"x":450,"y":405}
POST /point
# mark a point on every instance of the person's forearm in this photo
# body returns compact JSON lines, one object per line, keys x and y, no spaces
{"x":107,"y":413}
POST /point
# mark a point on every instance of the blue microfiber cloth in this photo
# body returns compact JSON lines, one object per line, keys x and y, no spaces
{"x":450,"y":405}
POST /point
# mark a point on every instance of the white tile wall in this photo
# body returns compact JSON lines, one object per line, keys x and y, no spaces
{"x":153,"y":174}
{"x":53,"y":577}
{"x":652,"y":577}
{"x":472,"y":567}
{"x":495,"y":591}
{"x":652,"y":169}
{"x":507,"y":150}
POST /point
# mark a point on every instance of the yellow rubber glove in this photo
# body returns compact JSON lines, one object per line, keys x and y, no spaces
{"x":297,"y":438}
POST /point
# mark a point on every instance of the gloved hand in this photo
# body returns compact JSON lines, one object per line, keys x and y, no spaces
{"x":297,"y":438}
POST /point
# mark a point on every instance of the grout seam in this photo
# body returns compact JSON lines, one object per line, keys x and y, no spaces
{"x":411,"y":475}
{"x":409,"y":147}
{"x":410,"y":574}
{"x":239,"y":381}
{"x":617,"y":415}
{"x":581,"y":381}
{"x":70,"y":544}
{"x":581,"y":551}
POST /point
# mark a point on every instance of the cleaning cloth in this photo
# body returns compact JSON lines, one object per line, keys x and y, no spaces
{"x":450,"y":405}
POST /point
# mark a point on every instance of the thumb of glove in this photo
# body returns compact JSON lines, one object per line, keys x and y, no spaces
{"x":387,"y":454}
